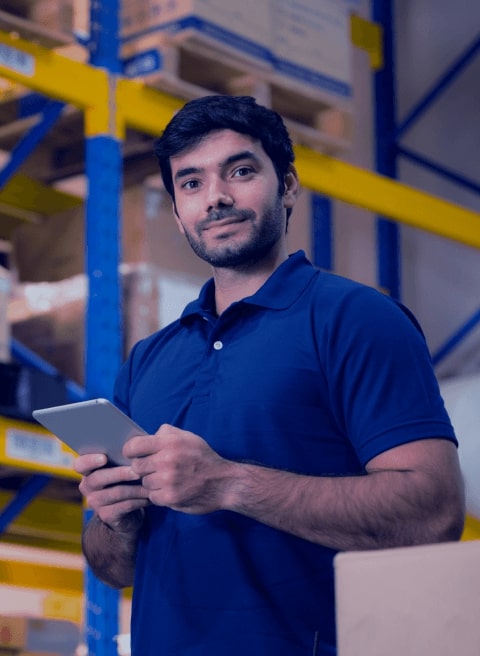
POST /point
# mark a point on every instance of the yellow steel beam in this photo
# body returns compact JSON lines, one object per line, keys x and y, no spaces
{"x":472,"y":528}
{"x":25,"y":193}
{"x":48,"y":72}
{"x":65,"y":586}
{"x":46,"y":523}
{"x":35,"y":542}
{"x":52,"y":74}
{"x":63,"y":606}
{"x":387,"y":197}
{"x":42,"y":576}
{"x":31,"y":448}
{"x":143,"y":108}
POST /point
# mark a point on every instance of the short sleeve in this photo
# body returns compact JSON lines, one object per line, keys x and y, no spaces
{"x":382,"y":382}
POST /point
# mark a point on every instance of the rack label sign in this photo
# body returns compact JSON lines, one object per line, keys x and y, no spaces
{"x":17,"y":60}
{"x":30,"y":447}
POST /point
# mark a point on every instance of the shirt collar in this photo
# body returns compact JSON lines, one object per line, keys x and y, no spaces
{"x":280,"y":291}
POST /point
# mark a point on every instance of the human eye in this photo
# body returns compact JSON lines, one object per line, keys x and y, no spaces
{"x":190,"y":185}
{"x":243,"y":171}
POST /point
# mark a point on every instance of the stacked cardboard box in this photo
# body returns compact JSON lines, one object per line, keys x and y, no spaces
{"x":27,"y":636}
{"x":293,"y":56}
{"x":55,"y":16}
{"x":311,"y":44}
{"x":244,"y":29}
{"x":304,"y":40}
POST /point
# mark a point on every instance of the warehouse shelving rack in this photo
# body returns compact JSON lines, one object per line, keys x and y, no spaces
{"x":110,"y":103}
{"x":389,"y":132}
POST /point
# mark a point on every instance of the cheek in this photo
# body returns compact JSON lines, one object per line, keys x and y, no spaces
{"x":186,"y":213}
{"x":180,"y":226}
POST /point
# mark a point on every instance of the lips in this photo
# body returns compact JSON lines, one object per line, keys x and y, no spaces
{"x":222,"y":218}
{"x":224,"y":222}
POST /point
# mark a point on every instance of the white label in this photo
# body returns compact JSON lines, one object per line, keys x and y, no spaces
{"x":17,"y":60}
{"x":31,"y":447}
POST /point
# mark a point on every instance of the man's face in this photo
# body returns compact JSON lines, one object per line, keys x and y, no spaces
{"x":227,"y":200}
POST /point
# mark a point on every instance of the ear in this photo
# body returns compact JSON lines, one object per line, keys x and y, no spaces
{"x":292,"y":187}
{"x":177,"y":219}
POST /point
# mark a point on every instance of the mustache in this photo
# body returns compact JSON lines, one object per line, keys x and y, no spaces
{"x":225,"y":213}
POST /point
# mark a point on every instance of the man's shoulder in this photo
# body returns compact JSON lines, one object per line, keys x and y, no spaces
{"x":156,"y":340}
{"x":336,"y":290}
{"x":339,"y":299}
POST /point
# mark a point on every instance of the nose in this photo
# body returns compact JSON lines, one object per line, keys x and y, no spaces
{"x":218,"y":194}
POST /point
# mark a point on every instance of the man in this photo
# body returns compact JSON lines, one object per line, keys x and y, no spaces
{"x":292,"y":413}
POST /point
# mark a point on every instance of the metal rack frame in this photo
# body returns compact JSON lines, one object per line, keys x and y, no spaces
{"x":389,"y":132}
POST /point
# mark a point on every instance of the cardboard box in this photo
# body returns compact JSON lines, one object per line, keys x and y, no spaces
{"x":56,"y":335}
{"x":13,"y":632}
{"x":18,"y":633}
{"x":413,"y":601}
{"x":311,"y":44}
{"x":52,"y":14}
{"x":223,"y":18}
{"x":243,"y":30}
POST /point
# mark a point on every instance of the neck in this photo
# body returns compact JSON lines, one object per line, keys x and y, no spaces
{"x":233,"y":284}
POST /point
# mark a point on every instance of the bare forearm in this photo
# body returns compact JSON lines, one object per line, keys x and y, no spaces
{"x":111,"y":553}
{"x":411,"y":494}
{"x":378,"y":510}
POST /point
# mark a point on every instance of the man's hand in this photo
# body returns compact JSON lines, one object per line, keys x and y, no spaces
{"x":109,"y":540}
{"x":110,"y":493}
{"x":179,"y":470}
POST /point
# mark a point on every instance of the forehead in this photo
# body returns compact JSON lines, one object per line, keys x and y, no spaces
{"x":215,"y":148}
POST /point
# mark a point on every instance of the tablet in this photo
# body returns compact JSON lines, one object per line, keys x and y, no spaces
{"x":95,"y":426}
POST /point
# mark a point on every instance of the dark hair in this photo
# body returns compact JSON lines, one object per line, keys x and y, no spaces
{"x":239,"y":113}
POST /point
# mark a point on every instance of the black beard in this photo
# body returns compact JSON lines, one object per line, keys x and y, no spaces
{"x":231,"y":257}
{"x":246,"y":254}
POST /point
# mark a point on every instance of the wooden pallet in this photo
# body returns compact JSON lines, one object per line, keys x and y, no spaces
{"x":192,"y":65}
{"x":34,"y":31}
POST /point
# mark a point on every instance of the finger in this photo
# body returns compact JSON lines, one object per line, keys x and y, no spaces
{"x":115,"y":495}
{"x":114,"y":515}
{"x":140,"y":446}
{"x":88,"y":463}
{"x":107,"y":476}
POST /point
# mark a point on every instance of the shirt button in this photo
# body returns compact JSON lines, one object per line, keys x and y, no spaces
{"x":218,"y":345}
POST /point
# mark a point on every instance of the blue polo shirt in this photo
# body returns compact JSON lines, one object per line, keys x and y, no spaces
{"x":314,"y":374}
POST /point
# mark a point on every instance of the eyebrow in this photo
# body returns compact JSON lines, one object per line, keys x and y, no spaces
{"x":182,"y":173}
{"x":236,"y":157}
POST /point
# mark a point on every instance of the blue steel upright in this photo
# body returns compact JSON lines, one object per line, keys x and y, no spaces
{"x":322,"y":232}
{"x":104,"y":314}
{"x":388,"y":234}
